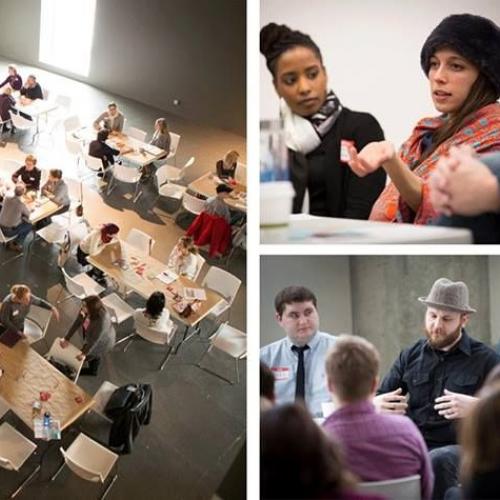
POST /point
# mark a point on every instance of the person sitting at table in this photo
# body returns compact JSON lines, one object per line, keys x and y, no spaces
{"x":14,"y":218}
{"x":161,"y":139}
{"x":31,"y":90}
{"x":98,"y":333}
{"x":13,"y":80}
{"x":16,"y":306}
{"x":226,"y":168}
{"x":93,"y":243}
{"x":57,"y":190}
{"x":99,"y":149}
{"x":182,"y":259}
{"x":216,"y":205}
{"x":112,"y":120}
{"x":155,"y":314}
{"x":7,"y":103}
{"x":29,"y":174}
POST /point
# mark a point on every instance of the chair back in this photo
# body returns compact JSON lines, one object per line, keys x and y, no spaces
{"x":136,"y":133}
{"x":80,"y":470}
{"x":5,"y":239}
{"x":72,"y":286}
{"x":171,"y":190}
{"x":186,"y":167}
{"x":193,"y":204}
{"x":21,"y":122}
{"x":230,"y":340}
{"x":73,"y":146}
{"x":154,"y":335}
{"x":66,"y":356}
{"x":45,"y":93}
{"x":76,"y":234}
{"x":5,"y":463}
{"x":37,"y":323}
{"x":141,"y":241}
{"x":241,"y":173}
{"x":8,"y":167}
{"x":222,"y":282}
{"x":395,"y":489}
{"x":93,"y":163}
{"x":200,"y":262}
{"x":72,"y":123}
{"x":130,"y":175}
{"x":162,"y":175}
{"x":174,"y":143}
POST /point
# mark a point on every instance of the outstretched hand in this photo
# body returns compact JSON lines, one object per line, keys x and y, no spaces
{"x":454,"y":405}
{"x":370,"y":158}
{"x":391,"y":402}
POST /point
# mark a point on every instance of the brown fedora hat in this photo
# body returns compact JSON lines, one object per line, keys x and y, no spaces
{"x":447,"y":294}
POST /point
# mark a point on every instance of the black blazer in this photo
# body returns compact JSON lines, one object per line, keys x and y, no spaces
{"x":347,"y":195}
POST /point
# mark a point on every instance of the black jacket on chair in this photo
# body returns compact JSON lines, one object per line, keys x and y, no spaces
{"x":129,"y":407}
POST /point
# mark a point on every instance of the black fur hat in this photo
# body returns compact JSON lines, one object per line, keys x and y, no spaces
{"x":474,"y":37}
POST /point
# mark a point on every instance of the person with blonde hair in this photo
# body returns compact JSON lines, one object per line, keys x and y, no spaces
{"x":182,"y":259}
{"x":13,"y":80}
{"x":16,"y":306}
{"x":227,"y":166}
{"x":29,"y":174}
{"x":161,"y":136}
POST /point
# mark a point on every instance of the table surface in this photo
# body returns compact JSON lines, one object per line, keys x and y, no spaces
{"x":150,"y":153}
{"x":140,"y":276}
{"x":36,"y":107}
{"x":207,"y":183}
{"x":42,"y":210}
{"x":26,"y":373}
{"x":307,"y":229}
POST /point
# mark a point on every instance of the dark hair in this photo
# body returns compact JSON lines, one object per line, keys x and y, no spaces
{"x":94,"y":306}
{"x":266,"y":382}
{"x":298,"y":460}
{"x":292,"y":294}
{"x":223,"y":188}
{"x":155,"y":305}
{"x":481,"y":94}
{"x":56,"y":172}
{"x":103,"y":135}
{"x":479,"y":436}
{"x":112,"y":104}
{"x":275,"y":39}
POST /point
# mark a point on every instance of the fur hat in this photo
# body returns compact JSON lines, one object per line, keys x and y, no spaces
{"x":476,"y":38}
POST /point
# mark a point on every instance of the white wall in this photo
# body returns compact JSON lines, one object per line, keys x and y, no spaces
{"x":326,"y":276}
{"x":371,"y":50}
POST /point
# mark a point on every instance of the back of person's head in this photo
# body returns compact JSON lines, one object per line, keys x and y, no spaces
{"x":94,"y":306}
{"x":187,"y":243}
{"x":480,"y":437}
{"x":56,"y":173}
{"x":293,"y":294}
{"x":298,"y":460}
{"x":352,"y":367}
{"x":19,"y":291}
{"x":231,"y":157}
{"x":155,"y":304}
{"x":31,"y":159}
{"x":266,"y":382}
{"x":223,"y":188}
{"x":19,"y":190}
{"x":162,"y":123}
{"x":103,"y":135}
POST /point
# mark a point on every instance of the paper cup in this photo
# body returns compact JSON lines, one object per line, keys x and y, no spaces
{"x":275,"y":203}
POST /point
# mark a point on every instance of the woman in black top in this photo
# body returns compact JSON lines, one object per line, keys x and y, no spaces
{"x":226,"y":168}
{"x":315,"y":123}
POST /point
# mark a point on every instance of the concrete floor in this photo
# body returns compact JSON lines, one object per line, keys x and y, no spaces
{"x":199,"y":421}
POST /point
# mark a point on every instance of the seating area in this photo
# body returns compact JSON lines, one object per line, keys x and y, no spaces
{"x":100,"y":268}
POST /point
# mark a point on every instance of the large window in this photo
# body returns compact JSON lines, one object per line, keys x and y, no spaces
{"x":66,"y":32}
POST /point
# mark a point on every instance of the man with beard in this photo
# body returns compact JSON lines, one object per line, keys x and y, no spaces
{"x":439,"y":375}
{"x":298,"y":360}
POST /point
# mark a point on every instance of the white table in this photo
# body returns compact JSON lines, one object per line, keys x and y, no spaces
{"x":307,"y":229}
{"x":35,"y":109}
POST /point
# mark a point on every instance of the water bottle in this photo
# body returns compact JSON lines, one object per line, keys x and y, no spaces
{"x":273,"y":152}
{"x":46,"y":420}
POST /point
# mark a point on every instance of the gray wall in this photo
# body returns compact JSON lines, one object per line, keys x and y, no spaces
{"x":192,"y":50}
{"x":385,"y":290}
{"x":326,"y":276}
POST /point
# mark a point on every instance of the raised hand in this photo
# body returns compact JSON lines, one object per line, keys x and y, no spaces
{"x":371,"y":157}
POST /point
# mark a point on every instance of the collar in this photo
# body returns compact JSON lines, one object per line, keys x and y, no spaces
{"x":463,"y":345}
{"x":312,"y":343}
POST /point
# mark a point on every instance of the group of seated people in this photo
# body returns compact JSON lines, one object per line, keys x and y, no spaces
{"x":339,"y":159}
{"x":435,"y":414}
{"x":18,"y":194}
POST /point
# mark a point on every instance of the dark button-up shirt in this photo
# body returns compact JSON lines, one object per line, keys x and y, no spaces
{"x":31,"y":178}
{"x":424,"y":373}
{"x":32,"y":92}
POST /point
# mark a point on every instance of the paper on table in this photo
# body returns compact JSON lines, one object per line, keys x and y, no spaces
{"x":47,"y":433}
{"x":167,"y":276}
{"x":195,"y":294}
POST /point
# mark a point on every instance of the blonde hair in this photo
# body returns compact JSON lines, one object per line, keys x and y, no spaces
{"x":31,"y":158}
{"x":162,"y":122}
{"x":12,"y":66}
{"x":231,"y":157}
{"x":352,"y":367}
{"x":19,"y":291}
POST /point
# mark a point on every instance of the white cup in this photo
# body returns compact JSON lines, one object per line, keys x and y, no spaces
{"x":275,"y":203}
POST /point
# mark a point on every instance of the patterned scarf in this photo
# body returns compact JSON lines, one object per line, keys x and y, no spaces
{"x":304,"y":134}
{"x":482,"y":132}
